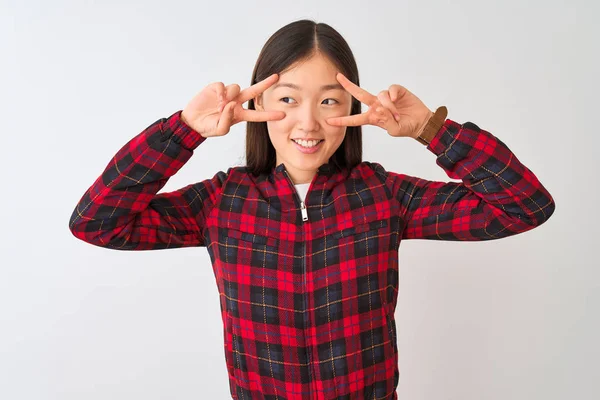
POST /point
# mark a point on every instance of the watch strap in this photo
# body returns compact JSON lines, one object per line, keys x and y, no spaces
{"x":435,"y":122}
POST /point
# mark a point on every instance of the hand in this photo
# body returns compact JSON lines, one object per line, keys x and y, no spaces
{"x":396,"y":110}
{"x":216,"y":108}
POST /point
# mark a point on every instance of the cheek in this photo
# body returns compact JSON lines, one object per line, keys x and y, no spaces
{"x":334,"y":132}
{"x":334,"y":137}
{"x":279,"y":130}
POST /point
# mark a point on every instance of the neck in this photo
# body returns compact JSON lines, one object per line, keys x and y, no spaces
{"x":300,"y":176}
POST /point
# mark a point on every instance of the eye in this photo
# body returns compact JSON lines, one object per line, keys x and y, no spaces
{"x":285,"y":98}
{"x":281,"y":99}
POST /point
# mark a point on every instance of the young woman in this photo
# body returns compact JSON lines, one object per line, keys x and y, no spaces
{"x":304,"y":239}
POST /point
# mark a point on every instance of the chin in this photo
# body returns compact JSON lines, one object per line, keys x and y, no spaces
{"x":305,"y":165}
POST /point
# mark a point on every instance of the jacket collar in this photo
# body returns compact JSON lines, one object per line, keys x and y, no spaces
{"x":283,"y":195}
{"x":326,"y":178}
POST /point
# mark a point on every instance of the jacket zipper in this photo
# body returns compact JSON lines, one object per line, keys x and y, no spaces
{"x":304,"y":213}
{"x":302,"y":205}
{"x":303,"y":210}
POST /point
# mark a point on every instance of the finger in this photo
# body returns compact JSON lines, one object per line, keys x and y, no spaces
{"x":219,"y":89}
{"x":261,"y":116}
{"x":396,"y":92}
{"x":382,"y":117}
{"x":350,"y":120}
{"x":362,"y":95}
{"x":226,"y":117}
{"x":231,"y":92}
{"x":384,"y":98}
{"x":256,"y":89}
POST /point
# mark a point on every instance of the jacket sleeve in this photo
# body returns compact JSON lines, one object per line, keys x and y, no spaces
{"x":498,"y":195}
{"x":122,"y":210}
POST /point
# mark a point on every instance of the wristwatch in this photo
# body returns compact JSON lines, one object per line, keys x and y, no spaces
{"x":433,"y":125}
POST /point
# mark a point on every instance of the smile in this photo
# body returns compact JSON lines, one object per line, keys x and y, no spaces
{"x":307,"y":146}
{"x":307,"y":143}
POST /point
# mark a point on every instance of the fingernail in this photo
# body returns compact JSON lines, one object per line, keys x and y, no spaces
{"x":397,"y":117}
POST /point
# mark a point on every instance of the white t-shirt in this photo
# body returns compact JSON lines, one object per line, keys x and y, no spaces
{"x":302,"y":189}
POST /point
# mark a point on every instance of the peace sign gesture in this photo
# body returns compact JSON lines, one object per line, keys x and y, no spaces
{"x":396,"y":110}
{"x":217,"y":107}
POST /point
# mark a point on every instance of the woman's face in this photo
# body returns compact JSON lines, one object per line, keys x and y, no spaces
{"x":308,"y":93}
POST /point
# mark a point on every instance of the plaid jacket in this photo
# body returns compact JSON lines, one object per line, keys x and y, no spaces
{"x":308,"y":291}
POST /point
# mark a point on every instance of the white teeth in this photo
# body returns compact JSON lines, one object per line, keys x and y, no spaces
{"x":306,"y":143}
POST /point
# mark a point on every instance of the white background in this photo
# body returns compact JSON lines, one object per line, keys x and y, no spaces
{"x":512,"y":319}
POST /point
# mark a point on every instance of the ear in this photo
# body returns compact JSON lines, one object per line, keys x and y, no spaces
{"x":258,"y":103}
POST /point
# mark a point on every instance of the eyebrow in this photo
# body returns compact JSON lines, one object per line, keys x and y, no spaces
{"x":323,"y":88}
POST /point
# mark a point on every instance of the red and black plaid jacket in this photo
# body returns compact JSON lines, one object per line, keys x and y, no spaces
{"x":308,"y":291}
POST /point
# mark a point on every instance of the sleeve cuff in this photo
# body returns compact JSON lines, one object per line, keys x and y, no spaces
{"x":444,"y":137}
{"x":182,"y":133}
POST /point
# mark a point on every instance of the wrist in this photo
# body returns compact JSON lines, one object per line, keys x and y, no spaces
{"x":185,"y":121}
{"x":419,"y":131}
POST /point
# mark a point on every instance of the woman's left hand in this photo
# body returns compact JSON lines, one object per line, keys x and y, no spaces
{"x":396,"y":110}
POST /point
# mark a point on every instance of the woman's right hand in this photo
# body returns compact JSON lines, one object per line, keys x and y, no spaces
{"x":216,"y":108}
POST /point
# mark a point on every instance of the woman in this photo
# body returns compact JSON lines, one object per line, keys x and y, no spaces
{"x":304,"y":239}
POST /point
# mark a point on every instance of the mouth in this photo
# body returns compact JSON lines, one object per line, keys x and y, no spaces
{"x":308,"y":146}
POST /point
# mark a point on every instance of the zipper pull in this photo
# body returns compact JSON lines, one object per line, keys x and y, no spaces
{"x":304,"y":212}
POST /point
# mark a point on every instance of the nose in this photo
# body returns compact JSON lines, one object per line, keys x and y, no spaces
{"x":308,"y":119}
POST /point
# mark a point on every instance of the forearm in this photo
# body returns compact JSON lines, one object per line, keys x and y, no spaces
{"x":116,"y":211}
{"x":498,"y":196}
